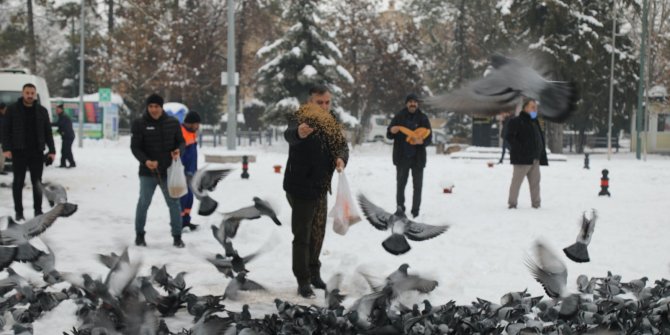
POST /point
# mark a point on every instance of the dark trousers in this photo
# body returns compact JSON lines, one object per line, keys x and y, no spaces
{"x":308,"y":224}
{"x":186,"y":205}
{"x":66,"y":152}
{"x":23,"y":162}
{"x":402,"y":174}
{"x":147,"y":187}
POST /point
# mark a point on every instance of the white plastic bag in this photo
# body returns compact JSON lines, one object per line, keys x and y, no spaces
{"x":176,"y":180}
{"x":345,"y":212}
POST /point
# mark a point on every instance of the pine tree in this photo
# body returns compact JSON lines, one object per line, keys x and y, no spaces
{"x":304,"y":56}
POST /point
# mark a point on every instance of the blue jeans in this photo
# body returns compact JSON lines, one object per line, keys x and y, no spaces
{"x":147,"y":188}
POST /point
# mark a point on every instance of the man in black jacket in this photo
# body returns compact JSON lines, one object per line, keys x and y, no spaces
{"x":156,"y":142}
{"x":66,"y":132}
{"x":409,"y":153}
{"x":527,"y":153}
{"x":26,"y":132}
{"x":3,"y":109}
{"x":312,"y":158}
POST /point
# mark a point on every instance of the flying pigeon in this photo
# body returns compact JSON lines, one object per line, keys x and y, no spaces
{"x":401,"y":227}
{"x":219,"y":235}
{"x":235,"y":263}
{"x":231,"y":220}
{"x":333,"y":295}
{"x":577,"y":251}
{"x":507,"y":81}
{"x":55,"y":193}
{"x":203,"y":182}
{"x":552,"y":274}
{"x":241,"y":283}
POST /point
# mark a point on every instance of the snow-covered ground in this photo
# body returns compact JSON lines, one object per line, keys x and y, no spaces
{"x":480,"y":256}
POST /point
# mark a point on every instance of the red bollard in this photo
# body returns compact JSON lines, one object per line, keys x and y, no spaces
{"x":277,"y":168}
{"x":245,"y":167}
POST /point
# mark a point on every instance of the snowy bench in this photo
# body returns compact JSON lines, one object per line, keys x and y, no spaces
{"x":228,"y":158}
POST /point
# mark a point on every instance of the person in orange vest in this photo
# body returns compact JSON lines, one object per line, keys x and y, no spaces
{"x":411,"y":132}
{"x":189,"y":130}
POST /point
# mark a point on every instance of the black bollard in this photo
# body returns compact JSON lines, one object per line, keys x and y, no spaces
{"x":604,"y":184}
{"x":586,"y":161}
{"x":245,"y":167}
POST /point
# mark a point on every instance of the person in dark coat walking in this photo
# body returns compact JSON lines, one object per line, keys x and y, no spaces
{"x":527,"y":153}
{"x":506,"y":116}
{"x":317,"y":148}
{"x":156,"y":142}
{"x":66,"y":132}
{"x":26,"y":133}
{"x":3,"y":109}
{"x":410,"y":138}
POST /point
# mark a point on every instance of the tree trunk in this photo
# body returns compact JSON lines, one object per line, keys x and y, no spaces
{"x":110,"y":44}
{"x":32,"y":52}
{"x":554,"y":137}
{"x":581,"y":141}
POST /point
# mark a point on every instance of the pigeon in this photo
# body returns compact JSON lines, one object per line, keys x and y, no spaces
{"x":552,"y":274}
{"x":46,"y":263}
{"x":401,"y":227}
{"x":507,"y":81}
{"x":203,"y":182}
{"x":166,"y":305}
{"x":55,"y":193}
{"x":111,"y":259}
{"x":17,"y":234}
{"x":17,"y":282}
{"x":7,"y":256}
{"x":241,"y":283}
{"x":231,"y":220}
{"x":577,"y":251}
{"x":332,"y":293}
{"x":166,"y":281}
{"x":236,"y":263}
{"x":219,"y":235}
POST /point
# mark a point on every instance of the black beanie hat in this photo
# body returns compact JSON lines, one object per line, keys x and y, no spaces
{"x":411,"y":96}
{"x":192,"y":117}
{"x":155,"y":99}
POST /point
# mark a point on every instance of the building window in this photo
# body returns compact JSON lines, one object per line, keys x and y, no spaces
{"x":663,"y":123}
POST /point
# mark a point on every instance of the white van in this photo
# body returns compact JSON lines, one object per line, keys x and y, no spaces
{"x":12,"y":81}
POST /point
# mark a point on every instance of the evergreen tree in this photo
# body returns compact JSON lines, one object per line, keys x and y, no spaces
{"x":304,"y":56}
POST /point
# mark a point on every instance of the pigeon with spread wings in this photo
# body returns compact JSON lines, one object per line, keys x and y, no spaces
{"x":203,"y":182}
{"x":401,"y":227}
{"x":501,"y":89}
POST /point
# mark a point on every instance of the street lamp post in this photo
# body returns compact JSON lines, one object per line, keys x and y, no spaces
{"x":609,"y":116}
{"x":231,"y":130}
{"x":81,"y":77}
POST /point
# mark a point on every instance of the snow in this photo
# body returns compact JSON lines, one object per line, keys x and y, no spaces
{"x":480,"y":256}
{"x":326,"y":61}
{"x":289,"y":103}
{"x":308,"y":71}
{"x":334,"y":48}
{"x":344,"y":73}
{"x":268,"y":48}
{"x":504,"y":6}
{"x":254,"y":102}
{"x":346,"y":117}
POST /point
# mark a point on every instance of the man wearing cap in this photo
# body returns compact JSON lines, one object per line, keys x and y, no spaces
{"x":66,"y":132}
{"x":156,"y":141}
{"x":189,"y":159}
{"x":26,"y":133}
{"x":411,"y":132}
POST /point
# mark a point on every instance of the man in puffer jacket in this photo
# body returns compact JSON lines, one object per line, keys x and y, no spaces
{"x":156,"y":142}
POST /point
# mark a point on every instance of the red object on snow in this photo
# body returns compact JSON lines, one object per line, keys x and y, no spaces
{"x":277,"y":168}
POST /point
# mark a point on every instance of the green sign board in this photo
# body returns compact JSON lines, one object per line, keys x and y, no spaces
{"x":105,"y":94}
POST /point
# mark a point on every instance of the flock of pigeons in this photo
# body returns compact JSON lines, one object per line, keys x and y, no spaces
{"x":126,"y":303}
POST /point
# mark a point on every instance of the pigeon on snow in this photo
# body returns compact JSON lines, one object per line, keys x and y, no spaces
{"x":577,"y":251}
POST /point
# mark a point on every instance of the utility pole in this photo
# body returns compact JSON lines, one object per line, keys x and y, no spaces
{"x":609,"y":116}
{"x":231,"y":130}
{"x":81,"y":76}
{"x":639,"y":116}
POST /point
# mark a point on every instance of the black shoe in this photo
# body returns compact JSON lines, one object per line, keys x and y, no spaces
{"x":61,"y":166}
{"x":415,"y":214}
{"x":38,"y":212}
{"x":317,"y":282}
{"x":177,"y":241}
{"x":72,"y":166}
{"x":190,"y":226}
{"x":139,"y":240}
{"x":306,"y":292}
{"x":511,"y":206}
{"x":19,"y":217}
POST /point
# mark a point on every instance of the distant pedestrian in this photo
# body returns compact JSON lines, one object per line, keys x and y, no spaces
{"x":506,"y":116}
{"x":410,"y":131}
{"x":189,"y":130}
{"x":317,"y":147}
{"x":527,"y":153}
{"x":156,"y":141}
{"x":3,"y":109}
{"x":26,"y":133}
{"x":64,"y":124}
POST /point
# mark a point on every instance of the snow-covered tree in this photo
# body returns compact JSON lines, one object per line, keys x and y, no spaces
{"x":304,"y":56}
{"x":575,"y":36}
